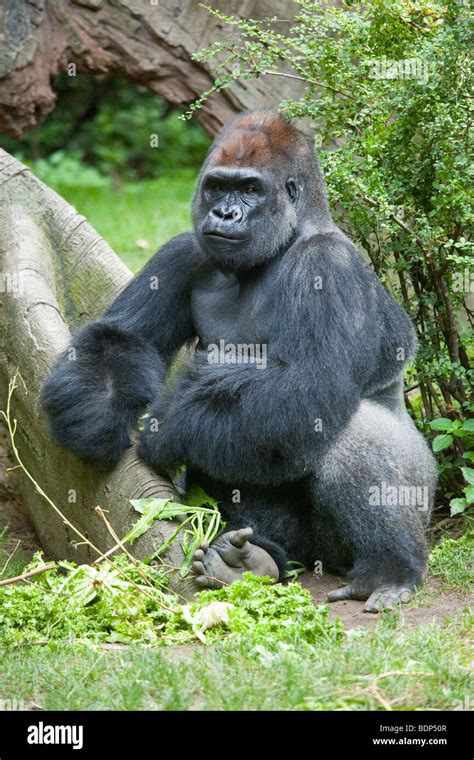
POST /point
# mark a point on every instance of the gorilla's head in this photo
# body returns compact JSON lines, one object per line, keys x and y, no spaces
{"x":259,"y":188}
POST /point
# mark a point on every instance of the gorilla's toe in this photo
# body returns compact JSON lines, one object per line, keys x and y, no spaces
{"x":229,"y":557}
{"x":383,"y":597}
{"x":339,"y":594}
{"x":240,"y":537}
{"x":387,"y":597}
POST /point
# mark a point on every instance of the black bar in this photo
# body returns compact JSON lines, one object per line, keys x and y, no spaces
{"x":153,"y":734}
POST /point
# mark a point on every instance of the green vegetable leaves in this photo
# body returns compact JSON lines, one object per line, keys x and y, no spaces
{"x":200,"y":523}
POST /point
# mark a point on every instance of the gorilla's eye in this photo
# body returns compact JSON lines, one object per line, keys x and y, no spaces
{"x":250,"y":190}
{"x":291,"y":189}
{"x":215,"y":187}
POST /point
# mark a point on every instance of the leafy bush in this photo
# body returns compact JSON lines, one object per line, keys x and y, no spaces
{"x":66,"y":170}
{"x":457,"y":435}
{"x":386,"y":87}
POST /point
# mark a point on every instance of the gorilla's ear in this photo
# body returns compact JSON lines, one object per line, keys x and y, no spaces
{"x":291,"y":189}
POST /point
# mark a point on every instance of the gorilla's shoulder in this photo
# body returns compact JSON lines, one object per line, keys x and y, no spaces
{"x":329,"y":252}
{"x":185,"y":242}
{"x":331,"y":245}
{"x":182,"y":251}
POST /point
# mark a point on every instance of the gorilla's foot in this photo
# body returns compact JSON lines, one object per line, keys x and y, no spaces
{"x":383,"y":597}
{"x":228,"y":557}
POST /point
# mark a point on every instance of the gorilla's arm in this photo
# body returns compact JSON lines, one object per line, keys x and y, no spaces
{"x":115,"y":365}
{"x":336,"y":341}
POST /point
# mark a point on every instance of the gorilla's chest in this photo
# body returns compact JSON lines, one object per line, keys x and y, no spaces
{"x":226,"y":308}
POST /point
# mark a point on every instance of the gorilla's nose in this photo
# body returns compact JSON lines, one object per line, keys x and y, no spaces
{"x":227,"y":213}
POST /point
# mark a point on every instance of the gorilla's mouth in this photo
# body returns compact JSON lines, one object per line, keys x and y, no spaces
{"x":222,"y":237}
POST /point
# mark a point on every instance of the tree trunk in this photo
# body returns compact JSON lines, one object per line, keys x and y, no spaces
{"x":56,"y":273}
{"x":148,"y":41}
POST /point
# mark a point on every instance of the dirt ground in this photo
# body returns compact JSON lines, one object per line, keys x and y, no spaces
{"x":435,"y":606}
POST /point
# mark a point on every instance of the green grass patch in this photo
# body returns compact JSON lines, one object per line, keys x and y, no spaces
{"x":254,"y":645}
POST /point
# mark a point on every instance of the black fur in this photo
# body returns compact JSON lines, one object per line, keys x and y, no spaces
{"x":302,"y":440}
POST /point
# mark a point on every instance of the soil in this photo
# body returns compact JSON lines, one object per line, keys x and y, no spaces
{"x":435,"y":605}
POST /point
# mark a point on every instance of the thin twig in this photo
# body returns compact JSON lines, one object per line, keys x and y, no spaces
{"x":308,"y":81}
{"x":29,"y":574}
{"x":375,"y":691}
{"x":120,"y":543}
{"x":10,"y":557}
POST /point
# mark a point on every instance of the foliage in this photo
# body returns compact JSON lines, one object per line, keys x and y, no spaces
{"x":457,"y":435}
{"x":67,"y":171}
{"x":201,"y":521}
{"x":107,"y":124}
{"x":12,"y":556}
{"x":452,"y":560}
{"x":269,"y":613}
{"x":386,"y":87}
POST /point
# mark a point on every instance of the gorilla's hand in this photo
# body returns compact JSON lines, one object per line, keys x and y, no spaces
{"x":211,"y":419}
{"x":97,"y":389}
{"x":159,"y":446}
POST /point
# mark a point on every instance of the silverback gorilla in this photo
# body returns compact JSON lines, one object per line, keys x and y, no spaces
{"x":290,"y":410}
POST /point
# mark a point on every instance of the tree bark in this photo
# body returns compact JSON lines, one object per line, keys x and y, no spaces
{"x":56,"y":273}
{"x":148,"y":41}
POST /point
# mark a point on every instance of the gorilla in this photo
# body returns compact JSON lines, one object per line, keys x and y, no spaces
{"x":289,"y":411}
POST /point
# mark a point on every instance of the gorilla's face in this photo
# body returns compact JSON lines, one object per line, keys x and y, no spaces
{"x":243,"y":217}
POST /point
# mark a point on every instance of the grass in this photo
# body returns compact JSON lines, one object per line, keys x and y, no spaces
{"x":152,"y":211}
{"x":390,"y":667}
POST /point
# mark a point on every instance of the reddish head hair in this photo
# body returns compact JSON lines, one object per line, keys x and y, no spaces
{"x":255,"y":139}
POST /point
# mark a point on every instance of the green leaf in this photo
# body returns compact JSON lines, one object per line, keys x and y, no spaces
{"x":442,"y":442}
{"x":469,"y":455}
{"x":468,"y":473}
{"x":151,"y":510}
{"x":457,"y":506}
{"x":468,"y":425}
{"x":469,"y":492}
{"x":442,"y":423}
{"x":189,"y":556}
{"x":197,"y":497}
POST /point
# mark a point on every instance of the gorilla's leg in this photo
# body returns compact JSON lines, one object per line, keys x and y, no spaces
{"x":373,"y":493}
{"x":264,"y":528}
